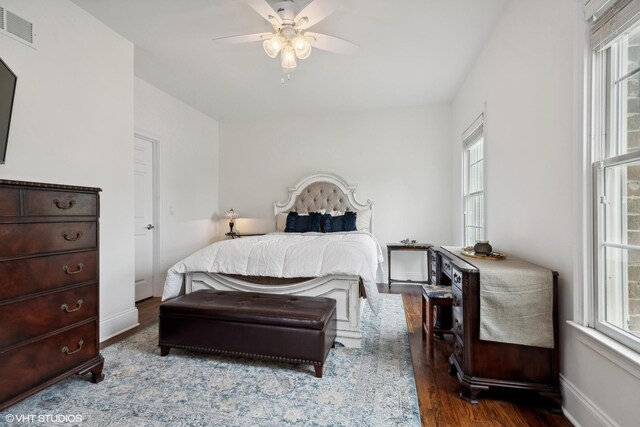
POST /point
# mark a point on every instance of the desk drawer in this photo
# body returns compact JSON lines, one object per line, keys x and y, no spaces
{"x":457,"y":297}
{"x":28,"y":366}
{"x":31,"y":275}
{"x":446,"y":266}
{"x":458,"y":351}
{"x":45,"y":203}
{"x":458,"y":323}
{"x":9,"y":202}
{"x":30,"y":318}
{"x":456,"y":277}
{"x":30,"y":239}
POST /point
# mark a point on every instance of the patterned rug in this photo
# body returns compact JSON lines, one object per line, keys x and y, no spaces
{"x":371,"y":386}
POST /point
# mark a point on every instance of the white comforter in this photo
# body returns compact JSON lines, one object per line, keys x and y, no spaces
{"x":355,"y":253}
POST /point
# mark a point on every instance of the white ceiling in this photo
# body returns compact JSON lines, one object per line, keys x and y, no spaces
{"x":413,"y":52}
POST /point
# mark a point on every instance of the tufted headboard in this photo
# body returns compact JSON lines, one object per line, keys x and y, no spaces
{"x":323,"y":191}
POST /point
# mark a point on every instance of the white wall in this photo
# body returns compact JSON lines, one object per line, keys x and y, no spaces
{"x":527,"y":76}
{"x":188,"y":174}
{"x":72,"y":124}
{"x":398,"y":158}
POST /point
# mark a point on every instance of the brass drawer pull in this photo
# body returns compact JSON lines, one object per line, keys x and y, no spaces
{"x":64,"y":205}
{"x":65,"y":307}
{"x":456,"y":301}
{"x":65,"y":349}
{"x":70,"y":238}
{"x":457,"y":278}
{"x":69,"y":272}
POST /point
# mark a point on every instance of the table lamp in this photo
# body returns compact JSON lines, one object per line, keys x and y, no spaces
{"x":231,"y":215}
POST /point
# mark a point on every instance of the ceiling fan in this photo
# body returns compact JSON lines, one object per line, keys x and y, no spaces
{"x":290,"y":37}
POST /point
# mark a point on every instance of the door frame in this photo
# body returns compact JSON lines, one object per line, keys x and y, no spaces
{"x":156,"y":287}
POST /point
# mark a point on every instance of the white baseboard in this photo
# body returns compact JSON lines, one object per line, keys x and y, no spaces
{"x":578,"y":407}
{"x":121,"y":322}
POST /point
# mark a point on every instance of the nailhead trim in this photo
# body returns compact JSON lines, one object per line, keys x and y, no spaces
{"x":241,"y":354}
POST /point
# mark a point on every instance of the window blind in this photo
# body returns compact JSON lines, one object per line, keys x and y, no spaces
{"x":596,"y":8}
{"x":473,"y":132}
{"x":616,"y":20}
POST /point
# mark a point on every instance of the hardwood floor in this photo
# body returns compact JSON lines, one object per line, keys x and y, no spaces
{"x":437,"y":390}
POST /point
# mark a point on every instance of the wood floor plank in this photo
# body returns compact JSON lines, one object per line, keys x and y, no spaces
{"x":437,"y":391}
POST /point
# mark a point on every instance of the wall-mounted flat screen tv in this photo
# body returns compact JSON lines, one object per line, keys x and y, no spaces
{"x":7,"y":93}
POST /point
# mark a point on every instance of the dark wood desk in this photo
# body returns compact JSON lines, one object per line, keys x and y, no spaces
{"x":424,"y":247}
{"x":481,"y":365}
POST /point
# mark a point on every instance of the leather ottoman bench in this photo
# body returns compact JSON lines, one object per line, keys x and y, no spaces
{"x":285,"y":328}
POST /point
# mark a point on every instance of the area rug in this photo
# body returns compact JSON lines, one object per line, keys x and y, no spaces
{"x":370,"y":386}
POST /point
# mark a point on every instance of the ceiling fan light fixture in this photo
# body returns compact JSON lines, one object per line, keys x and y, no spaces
{"x":288,"y":59}
{"x":304,"y":52}
{"x":273,"y":45}
{"x":302,"y":46}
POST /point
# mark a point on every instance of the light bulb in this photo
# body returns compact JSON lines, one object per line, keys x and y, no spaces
{"x":304,"y":51}
{"x":288,"y":59}
{"x":272,"y":46}
{"x":299,"y":42}
{"x":276,"y":42}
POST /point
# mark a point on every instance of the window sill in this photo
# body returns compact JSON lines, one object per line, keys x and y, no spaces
{"x":609,"y":348}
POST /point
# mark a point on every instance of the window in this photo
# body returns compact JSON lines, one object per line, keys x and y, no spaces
{"x":615,"y":153}
{"x":473,"y":183}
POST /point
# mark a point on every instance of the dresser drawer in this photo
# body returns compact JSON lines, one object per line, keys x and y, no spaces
{"x":28,"y":366}
{"x":30,"y":318}
{"x":9,"y":202}
{"x":30,"y":239}
{"x":27,"y":276}
{"x":44,"y":203}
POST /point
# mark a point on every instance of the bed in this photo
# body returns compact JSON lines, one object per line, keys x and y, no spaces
{"x":337,"y":265}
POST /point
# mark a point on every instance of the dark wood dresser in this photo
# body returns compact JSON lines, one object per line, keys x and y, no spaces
{"x":479,"y":364}
{"x":48,"y":286}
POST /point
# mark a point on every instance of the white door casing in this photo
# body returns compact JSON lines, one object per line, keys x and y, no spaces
{"x":144,"y":218}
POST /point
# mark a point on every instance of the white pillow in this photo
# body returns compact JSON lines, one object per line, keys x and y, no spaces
{"x":363,"y":220}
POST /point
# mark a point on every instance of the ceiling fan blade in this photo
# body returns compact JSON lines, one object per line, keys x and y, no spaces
{"x":248,"y":38}
{"x":265,"y":10}
{"x":315,"y":12}
{"x":332,"y":44}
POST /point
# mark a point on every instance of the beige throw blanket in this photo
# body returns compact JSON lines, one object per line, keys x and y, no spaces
{"x":516,"y":301}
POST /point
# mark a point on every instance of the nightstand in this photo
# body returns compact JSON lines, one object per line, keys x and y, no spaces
{"x":423,"y":247}
{"x":238,"y":235}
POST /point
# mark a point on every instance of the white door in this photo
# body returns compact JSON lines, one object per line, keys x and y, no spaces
{"x":144,"y":221}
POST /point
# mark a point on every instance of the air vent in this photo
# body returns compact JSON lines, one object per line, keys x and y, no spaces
{"x":19,"y":27}
{"x":16,"y":27}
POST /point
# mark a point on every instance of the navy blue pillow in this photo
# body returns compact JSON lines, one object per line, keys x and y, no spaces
{"x":303,"y":223}
{"x":291,"y":222}
{"x":350,"y":221}
{"x":326,"y":223}
{"x":346,"y":222}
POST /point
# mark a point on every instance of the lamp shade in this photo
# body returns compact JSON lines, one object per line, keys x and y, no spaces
{"x":231,"y":215}
{"x":272,"y":46}
{"x":288,"y":59}
{"x":305,"y":51}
